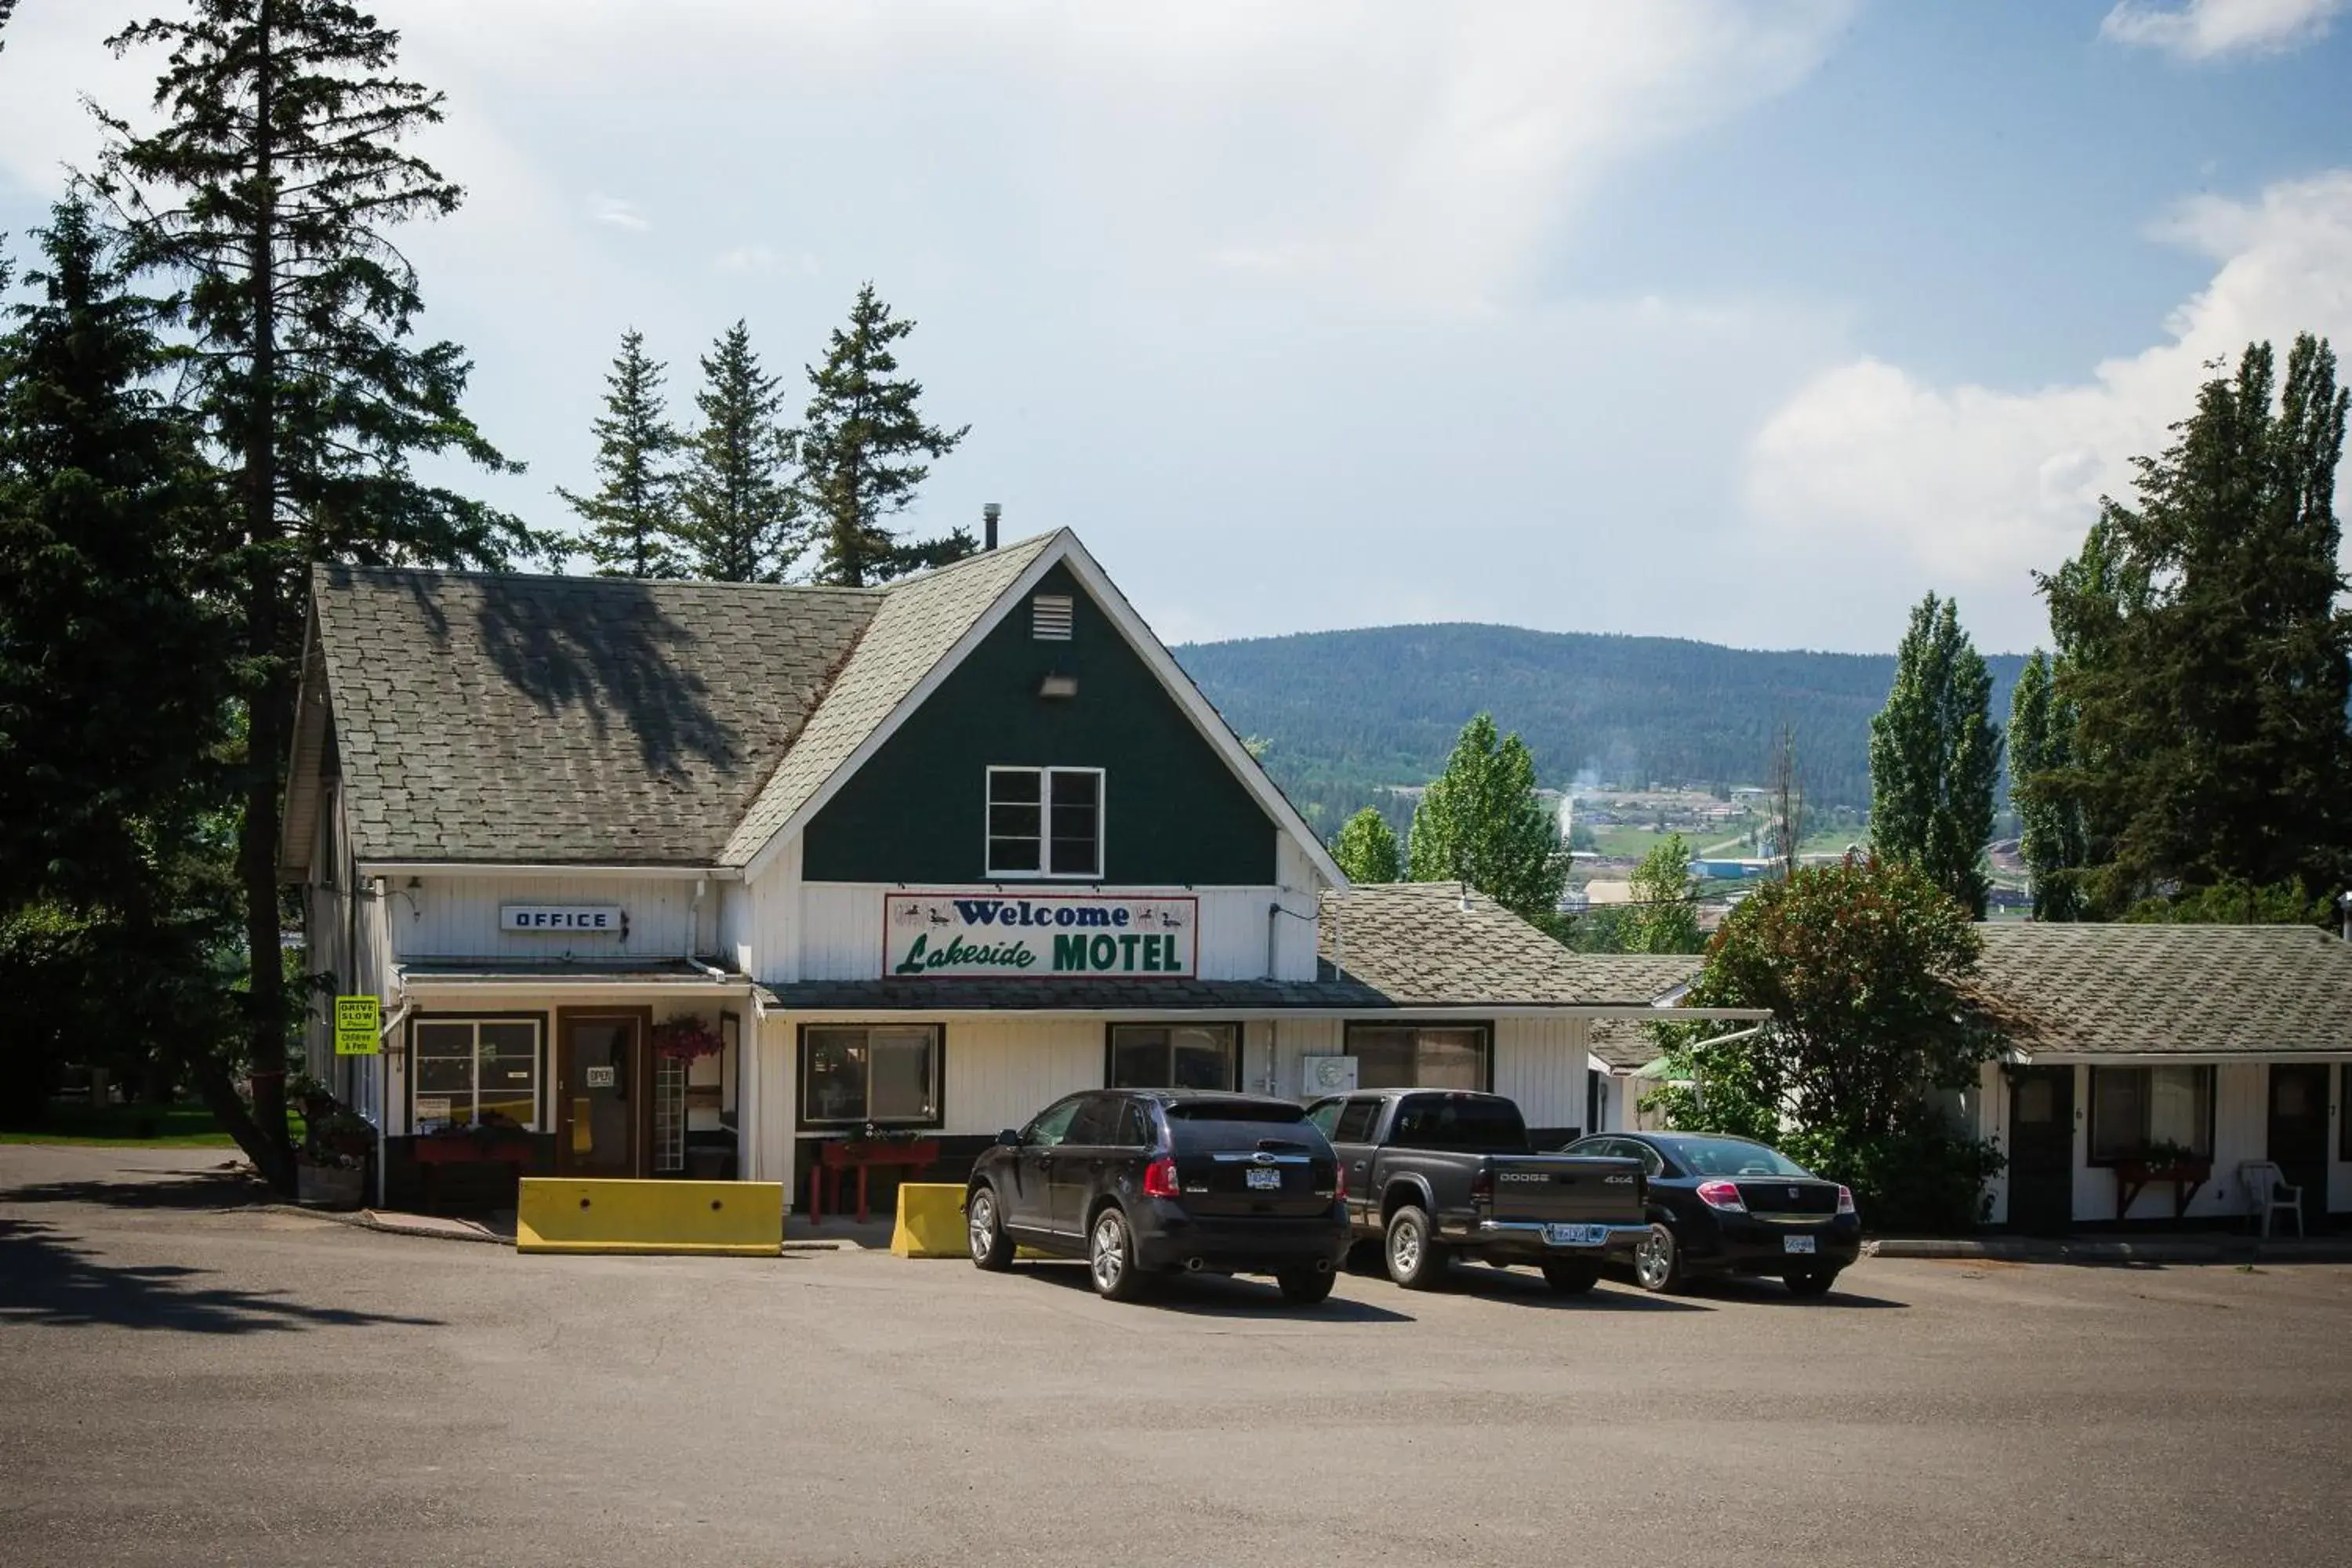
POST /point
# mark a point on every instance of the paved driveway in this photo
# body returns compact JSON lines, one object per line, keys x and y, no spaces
{"x":182,"y":1383}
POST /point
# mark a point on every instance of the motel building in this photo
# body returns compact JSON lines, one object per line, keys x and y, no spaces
{"x":657,"y":878}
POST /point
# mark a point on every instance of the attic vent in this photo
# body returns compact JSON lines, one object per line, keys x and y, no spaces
{"x":1049,"y":617}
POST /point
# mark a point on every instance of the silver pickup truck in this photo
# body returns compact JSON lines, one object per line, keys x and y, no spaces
{"x":1434,"y":1173}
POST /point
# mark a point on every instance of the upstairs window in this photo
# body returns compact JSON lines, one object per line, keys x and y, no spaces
{"x":1045,"y":822}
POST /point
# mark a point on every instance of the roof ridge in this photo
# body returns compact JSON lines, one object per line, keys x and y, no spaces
{"x":584,"y":579}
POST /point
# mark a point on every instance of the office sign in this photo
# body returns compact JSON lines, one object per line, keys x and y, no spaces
{"x":565,"y":920}
{"x":359,"y":1025}
{"x":1041,"y":934}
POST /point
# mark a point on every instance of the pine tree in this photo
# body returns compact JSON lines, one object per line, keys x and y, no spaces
{"x":861,"y":434}
{"x":633,"y":518}
{"x":2204,"y":655}
{"x":268,"y":197}
{"x":1480,"y":823}
{"x":1935,"y":757}
{"x":113,"y":684}
{"x":1367,"y":849}
{"x":743,"y":517}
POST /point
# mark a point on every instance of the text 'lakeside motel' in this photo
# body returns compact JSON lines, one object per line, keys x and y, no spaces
{"x":924,"y":857}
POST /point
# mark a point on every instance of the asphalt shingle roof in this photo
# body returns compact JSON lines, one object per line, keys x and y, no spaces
{"x":593,"y":720}
{"x":1415,"y":943}
{"x":2113,"y":990}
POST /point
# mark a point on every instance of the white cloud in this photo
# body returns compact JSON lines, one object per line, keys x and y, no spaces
{"x":1969,"y":488}
{"x":615,"y":213}
{"x":2202,"y":29}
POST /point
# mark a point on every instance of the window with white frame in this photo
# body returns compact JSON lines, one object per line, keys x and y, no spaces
{"x":2136,"y":1109}
{"x":854,"y":1073}
{"x":475,"y":1072}
{"x":1045,"y":822}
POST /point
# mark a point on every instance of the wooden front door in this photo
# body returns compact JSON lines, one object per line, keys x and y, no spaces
{"x":604,"y":1093}
{"x":2298,"y":1135}
{"x":2042,"y":1149}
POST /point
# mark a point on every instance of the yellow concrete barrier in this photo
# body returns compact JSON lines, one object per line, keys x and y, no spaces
{"x":569,"y":1214}
{"x":931,"y":1221}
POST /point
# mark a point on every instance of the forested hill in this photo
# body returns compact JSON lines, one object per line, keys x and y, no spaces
{"x":1348,"y":711}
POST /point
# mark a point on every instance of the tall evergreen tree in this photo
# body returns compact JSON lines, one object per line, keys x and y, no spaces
{"x":859,"y":445}
{"x":743,"y":517}
{"x":269,"y":196}
{"x":114,"y":685}
{"x":1935,"y":757}
{"x":1480,"y":823}
{"x":2211,"y":663}
{"x":1367,"y":849}
{"x":633,"y":518}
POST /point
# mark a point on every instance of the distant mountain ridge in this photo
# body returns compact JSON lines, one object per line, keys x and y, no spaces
{"x":1347,"y":712}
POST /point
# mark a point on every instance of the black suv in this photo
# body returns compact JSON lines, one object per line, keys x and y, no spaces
{"x":1144,"y":1181}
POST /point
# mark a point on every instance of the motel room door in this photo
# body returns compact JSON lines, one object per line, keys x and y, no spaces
{"x":603,"y":1079}
{"x":2042,"y":1149}
{"x":2298,"y":1135}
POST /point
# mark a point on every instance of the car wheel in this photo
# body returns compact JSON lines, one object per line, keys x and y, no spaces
{"x":1306,"y":1286}
{"x":1110,"y":1258}
{"x":1810,"y":1282}
{"x":1658,"y":1260}
{"x":991,"y":1248}
{"x":1571,"y":1278}
{"x":1417,"y":1257}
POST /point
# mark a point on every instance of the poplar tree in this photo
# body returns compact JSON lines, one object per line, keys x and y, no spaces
{"x":1935,"y":757}
{"x":1663,"y":917}
{"x":1480,"y":823}
{"x":633,"y":518}
{"x":1367,"y":849}
{"x":2051,"y":838}
{"x":860,"y":440}
{"x":742,"y":519}
{"x":269,"y":197}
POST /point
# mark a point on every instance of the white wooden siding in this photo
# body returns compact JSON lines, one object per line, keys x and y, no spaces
{"x":1541,"y":1063}
{"x":457,"y":917}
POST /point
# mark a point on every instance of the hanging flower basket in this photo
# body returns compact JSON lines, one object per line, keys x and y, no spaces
{"x":686,"y":1037}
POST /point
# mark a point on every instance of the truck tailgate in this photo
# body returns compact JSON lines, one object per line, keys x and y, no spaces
{"x":1556,"y":1189}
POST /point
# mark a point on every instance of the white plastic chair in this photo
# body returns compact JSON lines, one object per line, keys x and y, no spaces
{"x":2267,"y":1190}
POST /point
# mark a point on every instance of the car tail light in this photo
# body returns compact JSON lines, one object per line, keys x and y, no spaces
{"x":1845,"y":1200}
{"x":1721,"y":1195}
{"x":1482,"y":1187}
{"x":1160,"y":1178}
{"x":1339,"y":1178}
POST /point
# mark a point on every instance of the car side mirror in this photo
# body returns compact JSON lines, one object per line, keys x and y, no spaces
{"x":1009,"y":1139}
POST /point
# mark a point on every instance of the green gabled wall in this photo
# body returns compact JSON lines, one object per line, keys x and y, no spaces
{"x":1173,"y":812}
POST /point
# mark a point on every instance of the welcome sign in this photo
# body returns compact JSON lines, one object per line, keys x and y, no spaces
{"x":965,"y":934}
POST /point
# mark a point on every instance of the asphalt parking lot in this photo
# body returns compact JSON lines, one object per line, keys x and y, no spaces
{"x":182,"y":1383}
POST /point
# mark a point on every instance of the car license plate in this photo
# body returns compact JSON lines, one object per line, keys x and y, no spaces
{"x":1796,"y":1244}
{"x":1577,"y":1234}
{"x":1265,"y":1180}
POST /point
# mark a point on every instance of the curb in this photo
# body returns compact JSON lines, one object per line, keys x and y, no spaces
{"x":2006,"y":1249}
{"x":368,"y":1219}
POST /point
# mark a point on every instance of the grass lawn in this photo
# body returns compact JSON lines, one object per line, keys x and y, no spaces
{"x":131,"y":1126}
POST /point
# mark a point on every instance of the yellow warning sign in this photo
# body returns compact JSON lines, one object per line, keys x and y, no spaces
{"x":359,"y":1025}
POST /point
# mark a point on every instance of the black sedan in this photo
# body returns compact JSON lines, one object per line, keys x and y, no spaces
{"x":1152,"y":1182}
{"x":1727,"y":1206}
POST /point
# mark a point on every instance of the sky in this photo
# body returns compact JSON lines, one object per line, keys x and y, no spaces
{"x":1750,"y":322}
